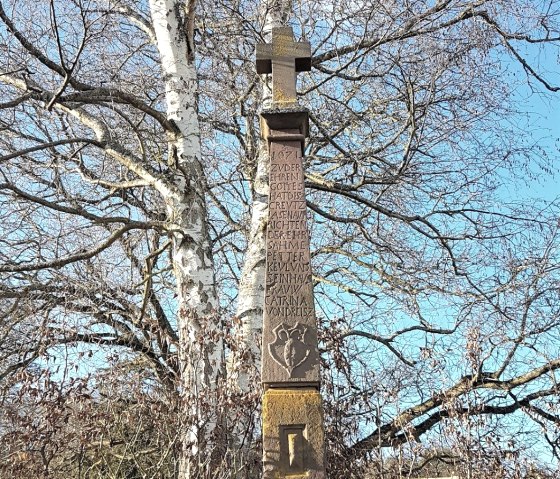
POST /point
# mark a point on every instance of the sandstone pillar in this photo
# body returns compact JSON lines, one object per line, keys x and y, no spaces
{"x":293,"y":433}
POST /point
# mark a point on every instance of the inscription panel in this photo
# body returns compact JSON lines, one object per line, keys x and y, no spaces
{"x":290,"y":351}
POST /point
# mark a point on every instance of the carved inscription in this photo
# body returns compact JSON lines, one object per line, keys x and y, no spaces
{"x":289,"y":311}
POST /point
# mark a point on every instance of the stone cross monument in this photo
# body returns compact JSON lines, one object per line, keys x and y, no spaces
{"x":293,"y":434}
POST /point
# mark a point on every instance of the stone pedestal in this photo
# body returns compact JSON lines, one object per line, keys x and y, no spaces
{"x":293,"y":434}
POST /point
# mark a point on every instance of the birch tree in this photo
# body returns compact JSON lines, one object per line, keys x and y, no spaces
{"x":133,"y":196}
{"x":180,"y":186}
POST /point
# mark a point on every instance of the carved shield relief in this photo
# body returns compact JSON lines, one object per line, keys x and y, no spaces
{"x":289,"y":348}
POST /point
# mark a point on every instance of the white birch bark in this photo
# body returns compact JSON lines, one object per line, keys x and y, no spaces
{"x":277,"y":13}
{"x":250,"y":306}
{"x":201,"y":348}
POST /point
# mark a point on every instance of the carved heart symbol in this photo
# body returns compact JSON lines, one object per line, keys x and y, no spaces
{"x":295,"y":350}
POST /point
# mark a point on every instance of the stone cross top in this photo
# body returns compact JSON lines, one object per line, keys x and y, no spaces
{"x":283,"y":58}
{"x":293,"y":434}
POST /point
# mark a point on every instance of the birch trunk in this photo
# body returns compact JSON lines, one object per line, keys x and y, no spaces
{"x":200,"y":335}
{"x":250,"y":304}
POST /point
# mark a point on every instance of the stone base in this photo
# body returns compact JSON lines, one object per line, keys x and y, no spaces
{"x":293,"y":435}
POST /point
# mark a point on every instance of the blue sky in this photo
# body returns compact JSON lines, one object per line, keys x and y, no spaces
{"x":542,"y":111}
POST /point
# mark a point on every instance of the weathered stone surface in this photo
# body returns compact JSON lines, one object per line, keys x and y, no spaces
{"x":293,"y":434}
{"x":290,"y":353}
{"x":283,"y":58}
{"x":293,"y":438}
{"x":275,"y":123}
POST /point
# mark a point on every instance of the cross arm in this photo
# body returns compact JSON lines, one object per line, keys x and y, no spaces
{"x":264,"y":58}
{"x":302,"y":53}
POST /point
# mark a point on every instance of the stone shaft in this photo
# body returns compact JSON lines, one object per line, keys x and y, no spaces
{"x":290,"y":352}
{"x":293,"y":437}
